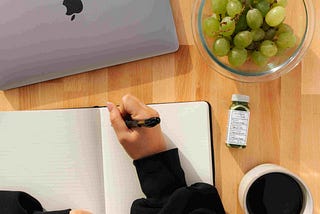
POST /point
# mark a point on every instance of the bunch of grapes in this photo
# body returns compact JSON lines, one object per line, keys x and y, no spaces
{"x":244,"y":28}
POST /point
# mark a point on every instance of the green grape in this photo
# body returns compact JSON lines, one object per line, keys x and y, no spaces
{"x":254,"y":19}
{"x":234,"y":7}
{"x":263,"y":6}
{"x":244,"y":29}
{"x":241,"y":24}
{"x":268,"y":48}
{"x":227,"y":26}
{"x":221,"y":47}
{"x":282,"y":3}
{"x":270,"y":34}
{"x":286,"y":40}
{"x":242,"y":39}
{"x":257,"y":34}
{"x":259,"y":59}
{"x":219,"y":6}
{"x":275,"y":16}
{"x":284,"y":28}
{"x":237,"y":56}
{"x":211,"y":26}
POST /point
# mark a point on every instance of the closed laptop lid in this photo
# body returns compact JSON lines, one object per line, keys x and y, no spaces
{"x":43,"y":39}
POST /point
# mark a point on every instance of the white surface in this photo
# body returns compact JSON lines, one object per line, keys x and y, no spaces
{"x":57,"y":155}
{"x":260,"y":170}
{"x":39,"y":42}
{"x":187,"y":127}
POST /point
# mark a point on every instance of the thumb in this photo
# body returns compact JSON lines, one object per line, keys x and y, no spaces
{"x":117,"y":121}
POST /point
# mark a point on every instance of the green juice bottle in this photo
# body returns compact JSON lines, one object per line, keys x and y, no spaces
{"x":238,"y":123}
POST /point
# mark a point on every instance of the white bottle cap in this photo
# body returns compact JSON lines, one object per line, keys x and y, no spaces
{"x":240,"y":98}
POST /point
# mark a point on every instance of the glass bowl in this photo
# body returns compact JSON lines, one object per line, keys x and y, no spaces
{"x":300,"y":16}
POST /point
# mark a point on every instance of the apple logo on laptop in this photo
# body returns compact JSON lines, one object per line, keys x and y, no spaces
{"x":73,"y":6}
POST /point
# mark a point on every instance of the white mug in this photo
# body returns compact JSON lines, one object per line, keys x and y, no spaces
{"x":258,"y":171}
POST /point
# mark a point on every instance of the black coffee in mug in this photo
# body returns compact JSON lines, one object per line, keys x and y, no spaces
{"x":274,"y":193}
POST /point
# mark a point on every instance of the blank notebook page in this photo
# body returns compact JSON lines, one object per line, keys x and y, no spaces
{"x":54,"y":156}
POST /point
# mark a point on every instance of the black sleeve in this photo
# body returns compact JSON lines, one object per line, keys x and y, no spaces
{"x":161,"y":174}
{"x":54,"y":212}
{"x":163,"y":182}
{"x":14,"y":202}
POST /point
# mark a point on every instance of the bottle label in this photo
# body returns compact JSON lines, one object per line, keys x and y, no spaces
{"x":238,"y":127}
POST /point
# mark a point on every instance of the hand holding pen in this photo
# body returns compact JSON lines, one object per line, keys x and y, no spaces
{"x":137,"y":127}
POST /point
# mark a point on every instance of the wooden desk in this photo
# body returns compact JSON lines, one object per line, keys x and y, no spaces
{"x":285,"y":119}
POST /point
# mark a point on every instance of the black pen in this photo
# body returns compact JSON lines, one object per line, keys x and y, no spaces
{"x":149,"y":123}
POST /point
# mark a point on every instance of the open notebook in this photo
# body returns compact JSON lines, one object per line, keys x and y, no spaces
{"x":72,"y":159}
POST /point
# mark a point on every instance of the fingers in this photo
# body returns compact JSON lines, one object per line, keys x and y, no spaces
{"x":134,"y":107}
{"x":131,"y":105}
{"x":117,"y":121}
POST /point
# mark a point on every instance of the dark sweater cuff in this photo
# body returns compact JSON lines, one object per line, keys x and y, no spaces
{"x":160,"y":174}
{"x":18,"y":202}
{"x":55,"y":212}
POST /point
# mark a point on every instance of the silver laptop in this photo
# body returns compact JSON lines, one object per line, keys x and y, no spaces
{"x":47,"y":39}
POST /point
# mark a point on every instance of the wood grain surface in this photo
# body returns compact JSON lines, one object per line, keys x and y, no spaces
{"x":285,"y":113}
